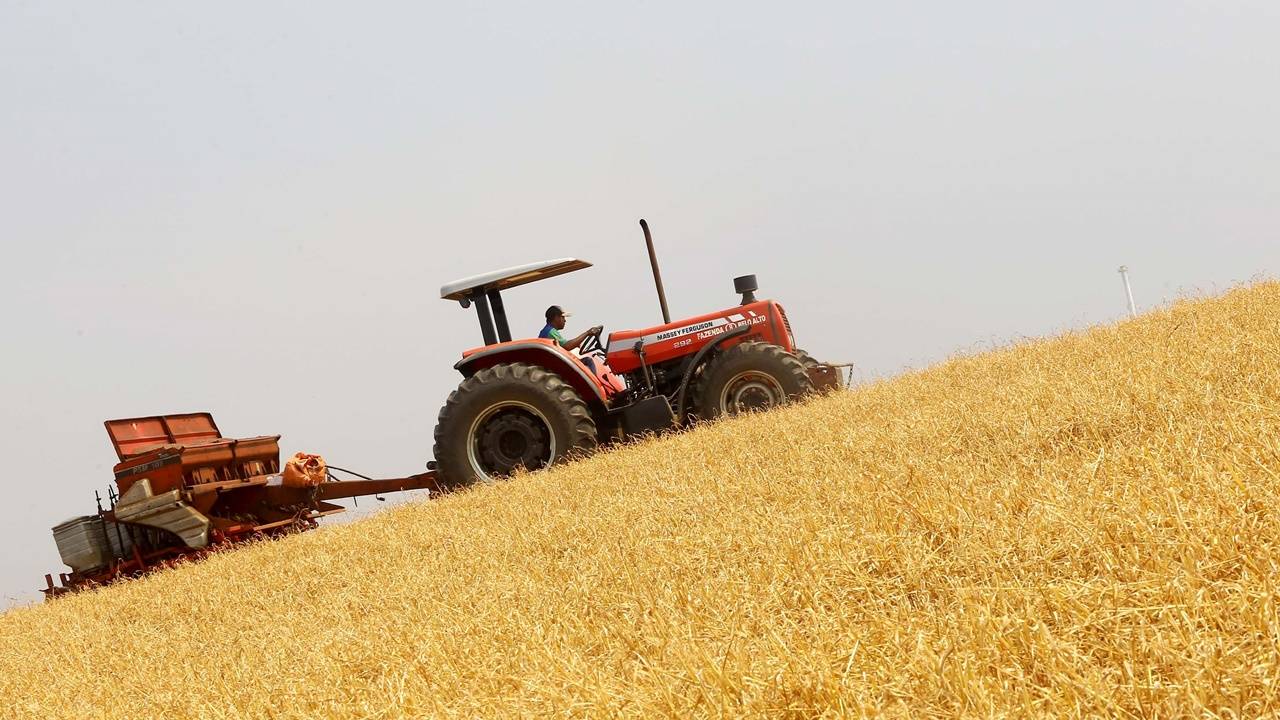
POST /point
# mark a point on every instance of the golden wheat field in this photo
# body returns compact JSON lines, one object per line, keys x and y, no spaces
{"x":1072,"y":527}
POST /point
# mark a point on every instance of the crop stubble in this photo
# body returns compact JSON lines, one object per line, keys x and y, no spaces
{"x":1071,"y":527}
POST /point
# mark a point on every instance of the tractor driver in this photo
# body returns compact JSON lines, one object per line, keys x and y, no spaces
{"x":555,"y":323}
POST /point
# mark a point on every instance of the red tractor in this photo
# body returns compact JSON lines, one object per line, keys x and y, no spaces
{"x":530,"y":403}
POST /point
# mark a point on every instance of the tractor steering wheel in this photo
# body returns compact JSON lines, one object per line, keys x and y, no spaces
{"x":591,"y":343}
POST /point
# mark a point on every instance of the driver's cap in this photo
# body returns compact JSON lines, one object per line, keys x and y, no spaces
{"x":555,"y":310}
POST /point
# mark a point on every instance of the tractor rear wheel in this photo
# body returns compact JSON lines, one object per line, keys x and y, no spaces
{"x":750,"y":376}
{"x":508,"y":417}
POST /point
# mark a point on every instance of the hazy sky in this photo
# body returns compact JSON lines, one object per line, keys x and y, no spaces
{"x":249,"y":208}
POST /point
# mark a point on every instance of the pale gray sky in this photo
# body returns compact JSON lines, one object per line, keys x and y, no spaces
{"x":248,"y":208}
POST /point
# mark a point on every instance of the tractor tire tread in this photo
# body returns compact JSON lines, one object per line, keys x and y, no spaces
{"x":561,"y":399}
{"x":789,"y":368}
{"x":805,"y":358}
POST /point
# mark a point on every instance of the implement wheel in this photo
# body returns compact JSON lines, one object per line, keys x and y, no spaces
{"x":750,"y":376}
{"x":508,"y":417}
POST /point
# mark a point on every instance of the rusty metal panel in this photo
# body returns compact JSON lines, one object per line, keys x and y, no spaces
{"x":825,"y":378}
{"x":257,"y":455}
{"x":133,"y":436}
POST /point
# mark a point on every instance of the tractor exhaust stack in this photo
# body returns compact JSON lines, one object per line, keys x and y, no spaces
{"x":748,"y":286}
{"x":657,"y":275}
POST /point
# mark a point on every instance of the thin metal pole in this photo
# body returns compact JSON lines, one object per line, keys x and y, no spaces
{"x":486,"y":320}
{"x":1128,"y":291}
{"x":499,"y":316}
{"x":657,"y":276}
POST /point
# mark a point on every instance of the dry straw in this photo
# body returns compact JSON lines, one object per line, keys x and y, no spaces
{"x":1076,"y":527}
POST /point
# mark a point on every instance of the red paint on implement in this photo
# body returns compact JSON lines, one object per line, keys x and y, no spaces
{"x":232,"y":483}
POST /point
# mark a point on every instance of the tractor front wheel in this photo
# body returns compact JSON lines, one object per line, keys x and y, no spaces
{"x":750,"y":376}
{"x":508,"y":417}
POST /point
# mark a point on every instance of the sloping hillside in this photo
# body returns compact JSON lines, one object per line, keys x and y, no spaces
{"x":1080,"y":526}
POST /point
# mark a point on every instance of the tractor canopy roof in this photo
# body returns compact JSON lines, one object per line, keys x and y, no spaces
{"x":510,"y":277}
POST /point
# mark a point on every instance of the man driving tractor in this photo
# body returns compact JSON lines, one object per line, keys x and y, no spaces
{"x":530,"y":403}
{"x":556,"y":317}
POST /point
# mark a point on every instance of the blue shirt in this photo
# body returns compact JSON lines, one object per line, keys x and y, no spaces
{"x":550,"y":332}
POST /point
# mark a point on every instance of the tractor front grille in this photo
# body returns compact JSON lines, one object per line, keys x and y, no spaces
{"x":787,"y":324}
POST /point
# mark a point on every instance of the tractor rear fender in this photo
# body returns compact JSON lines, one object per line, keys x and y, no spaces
{"x":545,"y":354}
{"x":699,"y":359}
